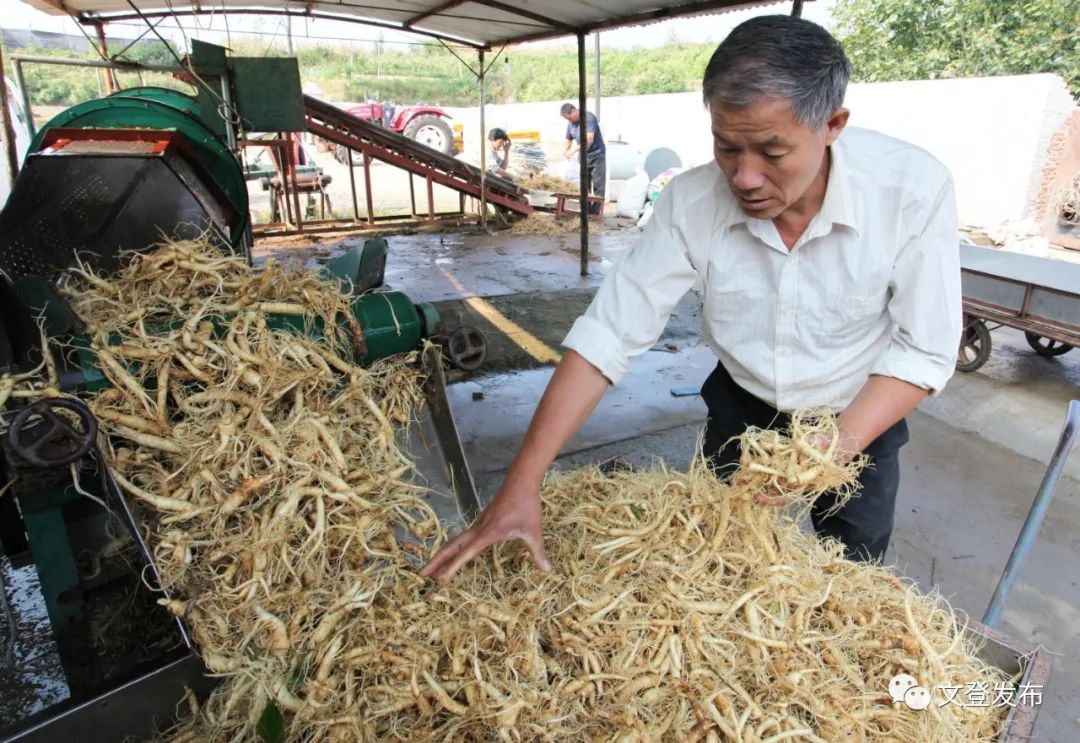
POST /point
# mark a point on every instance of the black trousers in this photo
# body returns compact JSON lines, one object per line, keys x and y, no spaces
{"x":864,"y":525}
{"x":597,"y":174}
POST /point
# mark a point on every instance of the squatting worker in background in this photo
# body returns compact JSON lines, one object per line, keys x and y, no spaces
{"x":595,"y":149}
{"x":500,"y":151}
{"x":830,"y":267}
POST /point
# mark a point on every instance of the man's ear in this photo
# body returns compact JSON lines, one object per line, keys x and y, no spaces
{"x":835,"y":124}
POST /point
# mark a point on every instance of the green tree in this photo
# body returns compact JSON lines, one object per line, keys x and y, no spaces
{"x":903,"y":40}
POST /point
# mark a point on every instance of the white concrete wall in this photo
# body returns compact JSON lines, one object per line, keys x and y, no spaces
{"x":991,"y":132}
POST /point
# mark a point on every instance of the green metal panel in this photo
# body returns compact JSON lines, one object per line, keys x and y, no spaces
{"x":372,"y":265}
{"x":42,"y":299}
{"x":209,"y":62}
{"x":140,"y":113}
{"x":95,"y":379}
{"x":268,"y":93}
{"x":360,"y":268}
{"x":46,"y":533}
{"x":345,"y":268}
{"x":208,"y":59}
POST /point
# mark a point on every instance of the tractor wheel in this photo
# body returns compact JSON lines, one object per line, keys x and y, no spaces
{"x":974,"y":345}
{"x":1046,"y":346}
{"x":432,"y":131}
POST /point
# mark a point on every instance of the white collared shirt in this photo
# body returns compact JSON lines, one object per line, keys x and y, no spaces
{"x":871,"y":287}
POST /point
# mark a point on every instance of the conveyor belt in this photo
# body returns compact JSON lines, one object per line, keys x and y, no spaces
{"x":339,"y":127}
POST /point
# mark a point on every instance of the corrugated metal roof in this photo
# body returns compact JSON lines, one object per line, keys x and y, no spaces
{"x":480,"y":23}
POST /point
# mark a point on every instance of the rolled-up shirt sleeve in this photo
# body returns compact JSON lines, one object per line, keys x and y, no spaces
{"x":635,"y":300}
{"x":925,"y":304}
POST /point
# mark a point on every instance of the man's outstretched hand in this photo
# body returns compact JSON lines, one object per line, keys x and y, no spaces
{"x":514,"y":513}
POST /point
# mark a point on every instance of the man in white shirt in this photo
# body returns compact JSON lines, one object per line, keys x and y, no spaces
{"x":828,"y":259}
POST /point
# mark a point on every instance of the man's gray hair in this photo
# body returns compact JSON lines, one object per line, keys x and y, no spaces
{"x":779,"y":56}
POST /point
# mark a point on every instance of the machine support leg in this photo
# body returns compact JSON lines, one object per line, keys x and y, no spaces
{"x":483,"y":147}
{"x":352,"y":185}
{"x":47,"y":533}
{"x":369,"y":199}
{"x":11,"y":154}
{"x":583,"y":157}
{"x":293,"y":184}
{"x":230,"y":126}
{"x":1030,"y":531}
{"x":412,"y":194}
{"x":20,"y":80}
{"x":283,"y":174}
{"x":111,"y":84}
{"x":430,"y":198}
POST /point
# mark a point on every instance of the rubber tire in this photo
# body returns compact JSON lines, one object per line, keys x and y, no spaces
{"x":982,"y":342}
{"x":439,"y":123}
{"x":343,"y":158}
{"x":1050,"y":350}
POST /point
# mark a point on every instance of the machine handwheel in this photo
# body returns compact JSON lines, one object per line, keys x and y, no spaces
{"x":44,"y":438}
{"x":467,"y":348}
{"x":1047,"y":346}
{"x":974,"y":345}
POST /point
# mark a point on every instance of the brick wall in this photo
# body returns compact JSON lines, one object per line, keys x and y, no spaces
{"x":1061,"y":166}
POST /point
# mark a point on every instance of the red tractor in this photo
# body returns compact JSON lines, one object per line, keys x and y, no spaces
{"x":427,"y":125}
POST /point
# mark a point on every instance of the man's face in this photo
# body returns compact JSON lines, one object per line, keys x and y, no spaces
{"x":573,"y":116}
{"x":769,"y":158}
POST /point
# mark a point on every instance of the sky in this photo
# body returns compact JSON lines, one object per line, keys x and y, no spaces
{"x":15,"y":14}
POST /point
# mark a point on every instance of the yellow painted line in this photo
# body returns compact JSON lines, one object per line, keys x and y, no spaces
{"x":528,"y":342}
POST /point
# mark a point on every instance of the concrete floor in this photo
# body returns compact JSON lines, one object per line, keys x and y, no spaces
{"x":977,"y":454}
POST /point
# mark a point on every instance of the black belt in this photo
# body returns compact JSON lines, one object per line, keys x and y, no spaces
{"x":732,"y":410}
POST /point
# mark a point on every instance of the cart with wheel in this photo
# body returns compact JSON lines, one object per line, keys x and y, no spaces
{"x":1040,"y":296}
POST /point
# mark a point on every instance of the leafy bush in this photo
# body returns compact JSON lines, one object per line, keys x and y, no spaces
{"x":901,"y":40}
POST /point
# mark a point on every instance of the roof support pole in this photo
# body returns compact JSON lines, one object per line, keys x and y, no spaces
{"x":20,"y":82}
{"x":11,"y":153}
{"x":583,"y":155}
{"x":483,"y":146}
{"x":596,"y":74}
{"x":111,"y":85}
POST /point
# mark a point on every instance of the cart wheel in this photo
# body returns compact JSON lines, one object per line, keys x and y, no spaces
{"x":974,"y":345}
{"x":1047,"y":346}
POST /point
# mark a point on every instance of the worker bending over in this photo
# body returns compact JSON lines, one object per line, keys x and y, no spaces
{"x":595,"y":149}
{"x":829,"y":261}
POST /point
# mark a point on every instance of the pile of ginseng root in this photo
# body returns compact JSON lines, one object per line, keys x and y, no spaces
{"x":282,"y":515}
